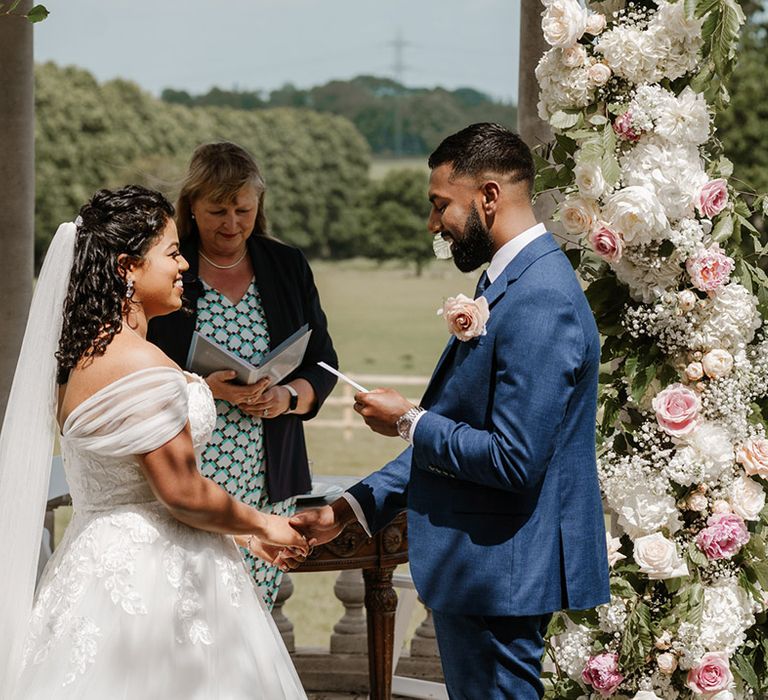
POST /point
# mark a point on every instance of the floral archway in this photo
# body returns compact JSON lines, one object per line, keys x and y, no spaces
{"x":674,"y":268}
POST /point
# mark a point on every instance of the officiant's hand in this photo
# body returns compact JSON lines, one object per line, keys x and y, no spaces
{"x":381,"y":408}
{"x":222,"y":387}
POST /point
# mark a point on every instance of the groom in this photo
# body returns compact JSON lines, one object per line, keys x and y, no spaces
{"x":505,"y":522}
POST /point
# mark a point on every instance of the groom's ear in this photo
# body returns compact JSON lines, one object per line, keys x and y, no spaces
{"x":490,"y":192}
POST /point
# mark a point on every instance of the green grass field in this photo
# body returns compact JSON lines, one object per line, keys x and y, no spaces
{"x":383,"y":321}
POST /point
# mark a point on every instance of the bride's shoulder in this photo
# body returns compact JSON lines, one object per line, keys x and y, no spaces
{"x":120,"y":362}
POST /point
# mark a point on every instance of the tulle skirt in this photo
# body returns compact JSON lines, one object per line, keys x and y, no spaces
{"x":135,"y":605}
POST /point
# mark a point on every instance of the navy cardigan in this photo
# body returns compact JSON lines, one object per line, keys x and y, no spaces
{"x":290,"y":299}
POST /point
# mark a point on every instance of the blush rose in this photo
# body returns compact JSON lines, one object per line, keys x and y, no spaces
{"x":466,"y":318}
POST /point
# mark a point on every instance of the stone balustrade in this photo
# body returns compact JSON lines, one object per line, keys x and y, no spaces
{"x":344,"y":667}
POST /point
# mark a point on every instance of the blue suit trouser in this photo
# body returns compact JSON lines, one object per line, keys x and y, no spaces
{"x":491,"y":658}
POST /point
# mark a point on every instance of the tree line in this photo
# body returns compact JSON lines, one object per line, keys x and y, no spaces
{"x":319,"y":194}
{"x":393,"y":118}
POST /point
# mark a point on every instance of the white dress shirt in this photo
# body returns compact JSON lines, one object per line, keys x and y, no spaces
{"x":501,"y":258}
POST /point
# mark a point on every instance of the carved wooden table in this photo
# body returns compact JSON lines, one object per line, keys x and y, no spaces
{"x":377,"y":556}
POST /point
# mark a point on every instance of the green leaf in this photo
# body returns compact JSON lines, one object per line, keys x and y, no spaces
{"x":563,"y":120}
{"x":745,"y":669}
{"x":695,"y":603}
{"x":723,"y":229}
{"x":37,"y":14}
{"x":690,"y":8}
{"x":704,"y":6}
{"x":574,"y":257}
{"x":598,"y":119}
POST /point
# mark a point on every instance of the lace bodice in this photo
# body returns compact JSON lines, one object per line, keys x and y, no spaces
{"x":134,"y":415}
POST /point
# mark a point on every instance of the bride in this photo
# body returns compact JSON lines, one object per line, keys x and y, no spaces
{"x":145,"y":597}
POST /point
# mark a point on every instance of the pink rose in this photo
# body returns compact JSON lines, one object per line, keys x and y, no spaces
{"x":725,"y":535}
{"x":753,"y":456}
{"x":622,"y":125}
{"x":711,"y":675}
{"x":712,"y":198}
{"x":677,"y":410}
{"x":602,"y":673}
{"x":466,"y":318}
{"x":605,"y":242}
{"x":709,"y":269}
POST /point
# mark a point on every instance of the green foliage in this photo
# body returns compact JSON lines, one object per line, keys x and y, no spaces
{"x":372,"y":103}
{"x":741,"y":126}
{"x":91,"y":135}
{"x":394,"y":215}
{"x":37,"y":14}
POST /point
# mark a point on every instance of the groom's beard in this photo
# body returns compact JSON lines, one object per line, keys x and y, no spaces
{"x":475,"y":247}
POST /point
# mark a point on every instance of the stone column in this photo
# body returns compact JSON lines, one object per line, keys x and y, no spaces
{"x":424,"y":642}
{"x":284,"y":625}
{"x":350,"y":634}
{"x":533,"y":130}
{"x":17,"y":188}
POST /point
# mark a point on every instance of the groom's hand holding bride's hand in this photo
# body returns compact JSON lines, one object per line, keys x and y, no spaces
{"x":381,"y":408}
{"x":319,"y":525}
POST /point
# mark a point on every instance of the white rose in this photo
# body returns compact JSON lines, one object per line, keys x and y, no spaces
{"x":574,"y":56}
{"x":564,"y":23}
{"x":717,"y":363}
{"x":589,"y":180}
{"x":747,"y":498}
{"x":686,"y":300}
{"x":613,"y":544}
{"x":599,"y":73}
{"x":720,"y":506}
{"x":578,"y":214}
{"x":637,"y":214}
{"x":663,"y":641}
{"x":646,"y":695}
{"x":722,"y":695}
{"x":667,"y":663}
{"x":694,"y":372}
{"x":595,"y":23}
{"x":697,"y":502}
{"x":657,"y":557}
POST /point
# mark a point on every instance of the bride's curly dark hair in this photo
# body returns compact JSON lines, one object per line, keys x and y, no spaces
{"x":128,"y":222}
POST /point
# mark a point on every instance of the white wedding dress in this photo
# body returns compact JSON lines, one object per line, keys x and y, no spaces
{"x":134,"y":605}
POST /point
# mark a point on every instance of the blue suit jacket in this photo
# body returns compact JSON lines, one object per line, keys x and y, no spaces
{"x":504,"y":508}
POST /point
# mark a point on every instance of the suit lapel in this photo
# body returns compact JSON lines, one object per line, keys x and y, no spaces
{"x":525,"y":258}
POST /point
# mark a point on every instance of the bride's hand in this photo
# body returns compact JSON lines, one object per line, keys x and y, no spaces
{"x":284,"y":559}
{"x":277,"y":531}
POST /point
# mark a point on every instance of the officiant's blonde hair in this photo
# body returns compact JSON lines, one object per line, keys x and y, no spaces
{"x":219,"y":170}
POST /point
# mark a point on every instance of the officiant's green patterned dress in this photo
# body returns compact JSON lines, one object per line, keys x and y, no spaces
{"x":234,"y":458}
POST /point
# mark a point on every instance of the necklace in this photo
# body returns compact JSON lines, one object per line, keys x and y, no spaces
{"x":223,"y":267}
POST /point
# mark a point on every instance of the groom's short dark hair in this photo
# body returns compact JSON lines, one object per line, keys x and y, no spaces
{"x":486,"y":148}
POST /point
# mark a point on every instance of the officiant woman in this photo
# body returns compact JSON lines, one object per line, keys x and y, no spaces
{"x":248,"y":292}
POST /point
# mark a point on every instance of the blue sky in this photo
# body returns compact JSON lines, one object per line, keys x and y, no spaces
{"x":262,"y":44}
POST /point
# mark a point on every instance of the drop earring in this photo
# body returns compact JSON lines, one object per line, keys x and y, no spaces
{"x":129,"y":289}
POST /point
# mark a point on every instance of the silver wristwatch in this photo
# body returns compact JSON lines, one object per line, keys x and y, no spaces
{"x":405,"y":422}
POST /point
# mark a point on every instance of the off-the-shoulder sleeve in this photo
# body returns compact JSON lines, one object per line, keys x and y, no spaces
{"x":134,"y":415}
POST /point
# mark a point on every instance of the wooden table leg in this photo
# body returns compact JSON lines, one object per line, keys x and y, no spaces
{"x":380,"y":606}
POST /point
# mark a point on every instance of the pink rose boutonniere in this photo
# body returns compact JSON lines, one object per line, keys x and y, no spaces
{"x":466,"y":318}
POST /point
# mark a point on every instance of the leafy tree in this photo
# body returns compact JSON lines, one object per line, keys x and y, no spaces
{"x":742,"y":126}
{"x":371,"y":103}
{"x":91,"y":135}
{"x":396,"y":223}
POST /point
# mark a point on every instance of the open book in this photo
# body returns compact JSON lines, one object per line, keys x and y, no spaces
{"x":206,"y":356}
